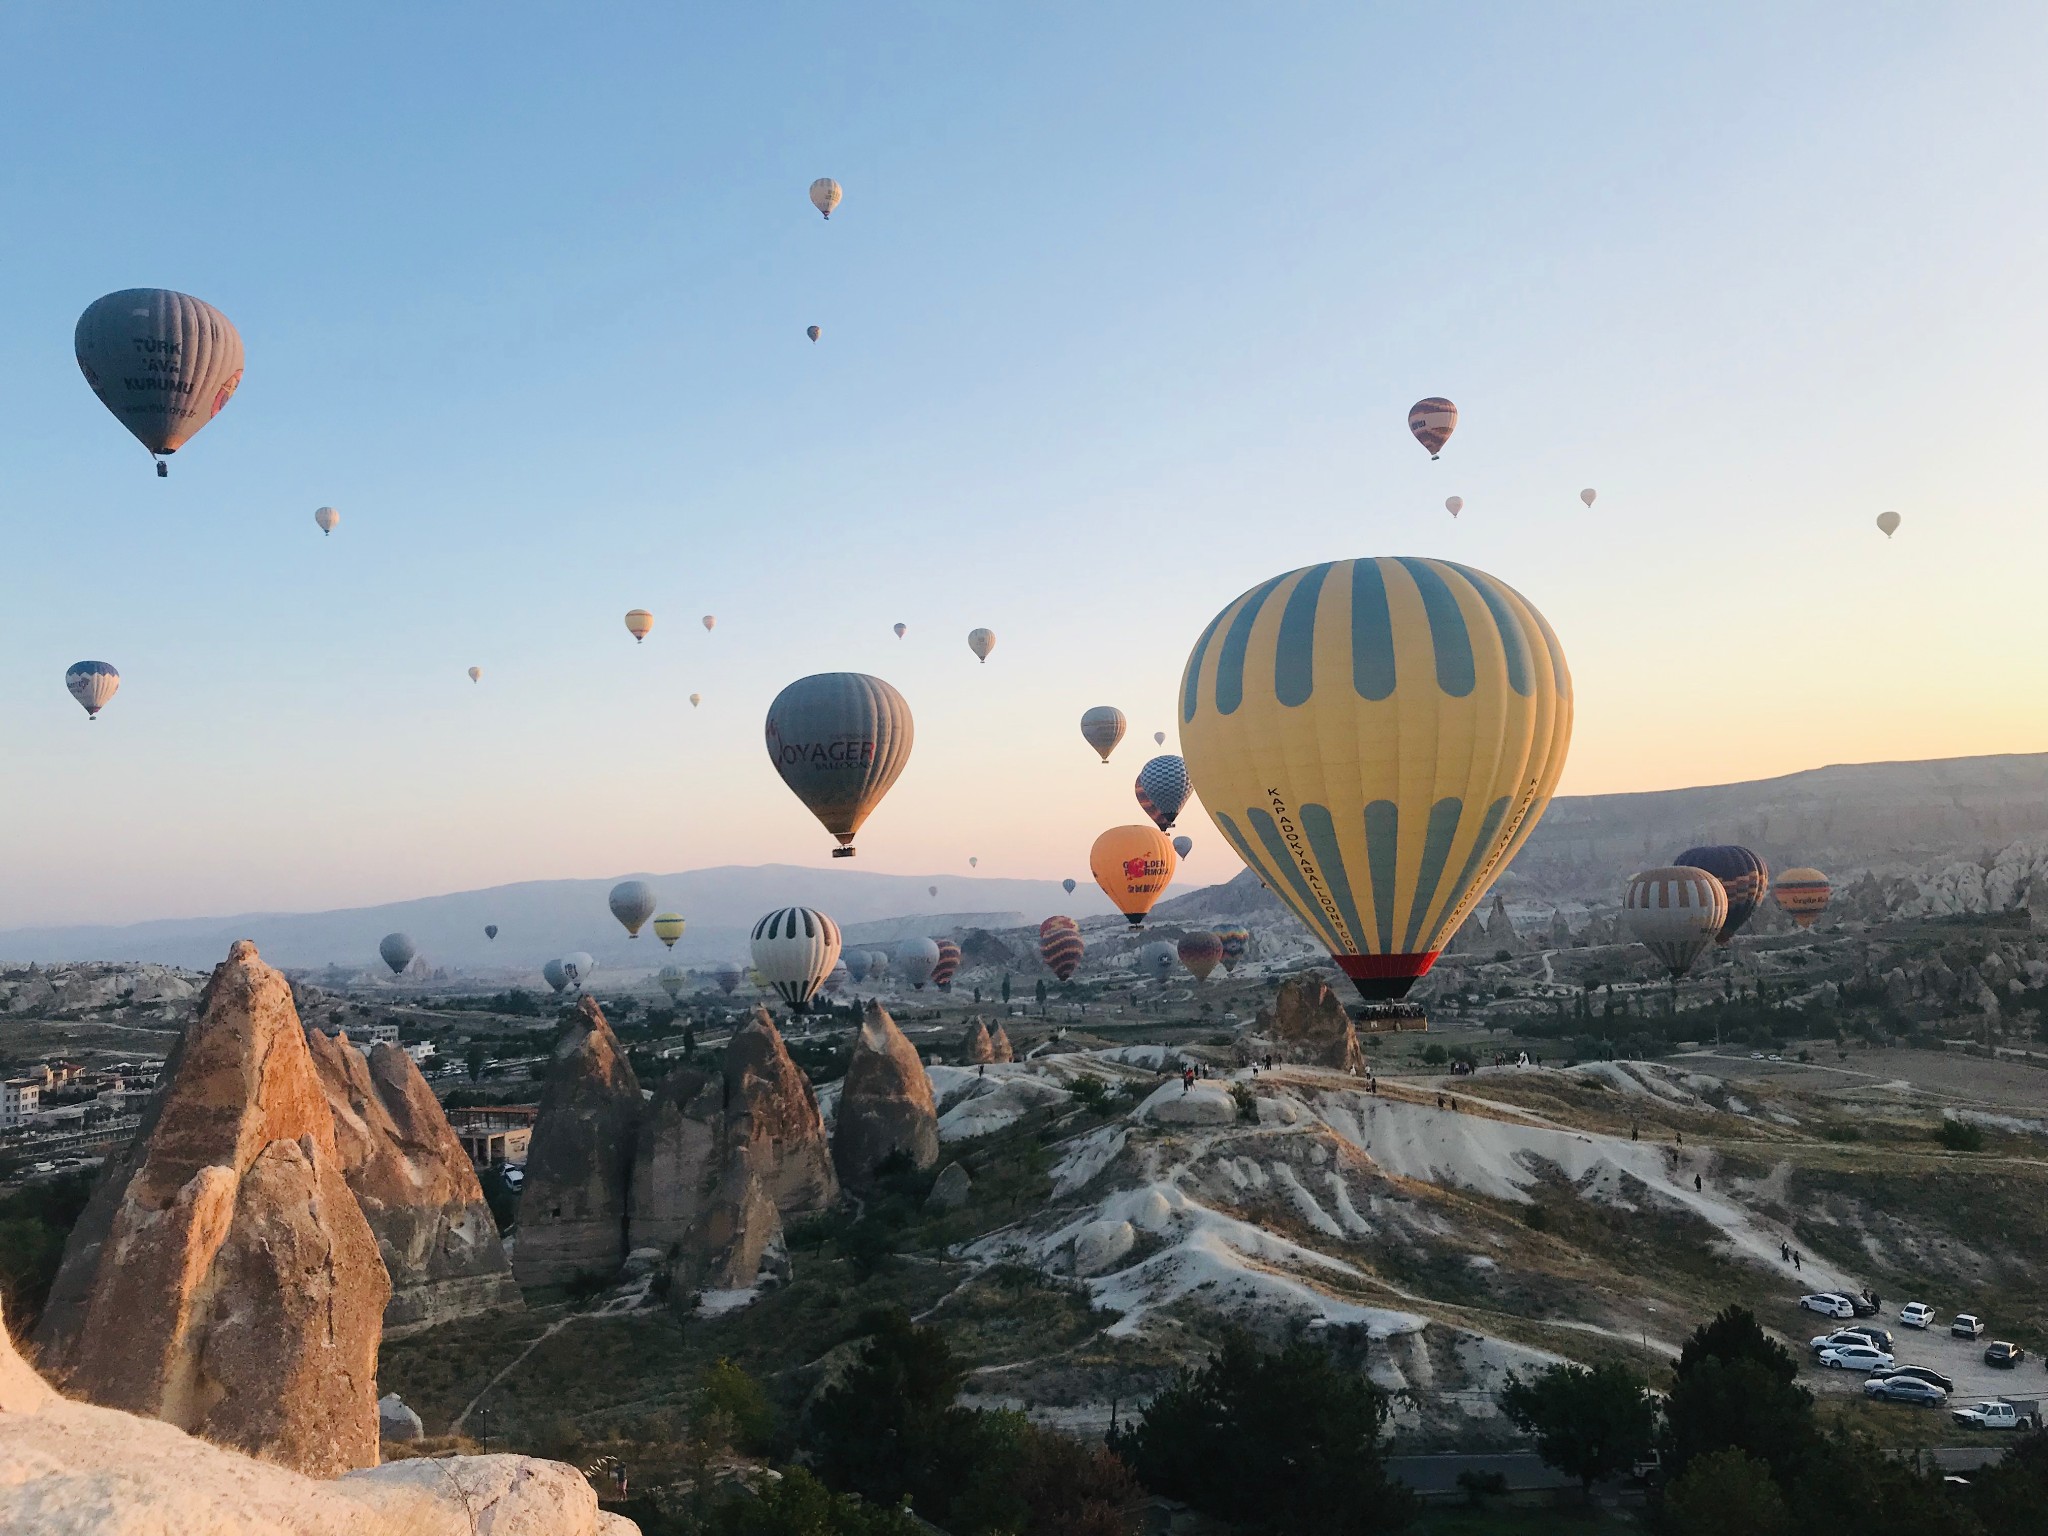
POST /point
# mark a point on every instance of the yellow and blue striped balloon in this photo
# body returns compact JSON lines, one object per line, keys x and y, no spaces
{"x":1377,"y":739}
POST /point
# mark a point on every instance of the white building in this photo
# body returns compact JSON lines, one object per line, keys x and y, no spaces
{"x":20,"y":1097}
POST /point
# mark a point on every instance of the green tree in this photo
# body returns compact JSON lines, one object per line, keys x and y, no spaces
{"x":1039,"y":992}
{"x":476,"y":1060}
{"x":889,"y":1429}
{"x":729,"y":1395}
{"x":1734,"y":1388}
{"x":1589,"y":1424}
{"x":1281,"y":1443}
{"x":797,"y":1504}
{"x":35,"y":1221}
{"x":1006,"y":989}
{"x":2010,"y":1495}
{"x":1724,"y":1492}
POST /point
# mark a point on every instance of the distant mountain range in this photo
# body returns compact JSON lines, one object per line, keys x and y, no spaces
{"x":1881,"y":818}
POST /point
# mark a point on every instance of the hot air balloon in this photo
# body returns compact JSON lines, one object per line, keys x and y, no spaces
{"x":839,"y":740}
{"x":490,"y":930}
{"x":1201,"y":953}
{"x":397,"y":950}
{"x":973,"y":862}
{"x":1068,"y":886}
{"x":1433,"y":421}
{"x":327,"y":518}
{"x":553,"y":974}
{"x":1132,"y":865}
{"x":948,"y":966}
{"x":1162,"y":790}
{"x":878,"y":966}
{"x":710,"y":622}
{"x":1454,"y":505}
{"x":1235,"y":942}
{"x":981,"y":642}
{"x":1157,"y":960}
{"x":1674,"y":914}
{"x":901,"y":629}
{"x":837,"y":978}
{"x":578,"y":967}
{"x":856,"y":962}
{"x":813,"y":332}
{"x":1804,"y":894}
{"x":1183,"y":846}
{"x":1888,"y":522}
{"x":476,"y":674}
{"x":1377,"y":739}
{"x":916,"y":959}
{"x":1159,"y":738}
{"x":638,"y":622}
{"x":1743,"y":875}
{"x":164,"y":363}
{"x":93,"y":684}
{"x":696,"y":699}
{"x":1102,"y":728}
{"x":672,"y":981}
{"x":931,"y":890}
{"x":632,"y":903}
{"x":1060,"y":946}
{"x":825,"y":195}
{"x":668,"y":927}
{"x":728,"y":977}
{"x":1587,"y":495}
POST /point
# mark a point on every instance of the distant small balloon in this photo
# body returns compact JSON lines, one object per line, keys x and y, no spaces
{"x":553,"y":974}
{"x":710,"y":621}
{"x":900,"y":629}
{"x":1454,"y":505}
{"x":973,"y":862}
{"x":490,"y":930}
{"x":931,"y":890}
{"x":826,"y":195}
{"x":1102,"y":728}
{"x":638,"y":622}
{"x":696,"y":699}
{"x":578,"y":967}
{"x":1433,"y":421}
{"x":672,"y":981}
{"x":397,"y":950}
{"x":981,"y":642}
{"x":328,"y":519}
{"x":476,"y":674}
{"x":1183,"y":846}
{"x":1588,"y":495}
{"x":1888,"y":522}
{"x":1159,"y":738}
{"x":1067,"y":886}
{"x":668,"y":927}
{"x":632,"y":903}
{"x":92,"y":683}
{"x":813,"y":332}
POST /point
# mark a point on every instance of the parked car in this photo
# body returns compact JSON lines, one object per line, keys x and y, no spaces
{"x":1859,"y":1303}
{"x":1924,"y":1373}
{"x":1916,"y":1314}
{"x":1854,"y":1357}
{"x":1880,"y":1338}
{"x":1968,"y":1325}
{"x":1999,"y":1413}
{"x":1827,"y":1304}
{"x":1875,"y":1338}
{"x":1905,"y":1389}
{"x":2003,"y":1355}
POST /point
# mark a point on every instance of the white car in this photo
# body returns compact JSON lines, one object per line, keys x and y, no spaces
{"x":1854,"y":1357}
{"x":1968,"y":1325}
{"x":1916,"y":1314}
{"x":1995,"y":1414}
{"x":1841,"y":1338}
{"x":1827,"y":1305}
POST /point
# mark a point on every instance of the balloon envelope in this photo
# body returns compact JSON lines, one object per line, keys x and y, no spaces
{"x":1068,"y":886}
{"x":1743,"y":875}
{"x":638,"y":622}
{"x":794,"y":949}
{"x":1235,"y":942}
{"x":1454,"y":505}
{"x":856,"y":963}
{"x":916,"y":959}
{"x":696,"y":699}
{"x":1803,"y":893}
{"x":1433,"y":421}
{"x":163,"y":362}
{"x":327,"y":518}
{"x":1132,"y":865}
{"x":672,"y":981}
{"x":1201,"y":953}
{"x":1588,"y":495}
{"x":476,"y":674}
{"x":1157,"y":960}
{"x":1183,"y":846}
{"x":578,"y":967}
{"x":826,"y":195}
{"x":490,"y":930}
{"x":92,"y":683}
{"x":1102,"y":728}
{"x":397,"y":950}
{"x":839,"y":740}
{"x":1674,"y":913}
{"x":668,"y":927}
{"x":948,"y":965}
{"x":710,"y":621}
{"x":632,"y":903}
{"x":1376,"y":739}
{"x":553,"y":974}
{"x":1888,"y":522}
{"x":1060,"y":946}
{"x":1162,"y":790}
{"x":813,"y":332}
{"x":728,"y":977}
{"x":981,"y":642}
{"x":900,"y":630}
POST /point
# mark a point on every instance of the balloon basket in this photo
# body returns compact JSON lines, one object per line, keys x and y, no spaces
{"x":842,"y":853}
{"x":1391,"y":1018}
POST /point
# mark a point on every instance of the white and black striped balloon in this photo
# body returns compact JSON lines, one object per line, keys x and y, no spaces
{"x":794,"y":949}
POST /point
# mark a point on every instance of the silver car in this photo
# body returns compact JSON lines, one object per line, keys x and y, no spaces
{"x":1854,"y":1357}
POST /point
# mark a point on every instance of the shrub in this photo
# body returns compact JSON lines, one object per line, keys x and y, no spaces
{"x":1960,"y":1136}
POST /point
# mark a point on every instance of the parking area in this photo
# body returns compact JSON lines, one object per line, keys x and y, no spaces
{"x":1962,"y":1360}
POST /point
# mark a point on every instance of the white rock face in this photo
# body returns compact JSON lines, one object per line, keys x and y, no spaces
{"x":395,"y":1421}
{"x":1102,"y":1245}
{"x":1206,"y":1103}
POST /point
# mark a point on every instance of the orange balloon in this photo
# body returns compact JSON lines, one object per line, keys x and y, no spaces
{"x":1132,"y":865}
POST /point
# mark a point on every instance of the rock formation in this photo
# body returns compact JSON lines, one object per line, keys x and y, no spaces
{"x":579,"y":1167}
{"x":677,"y":1158}
{"x":951,"y":1189}
{"x":737,"y":1231}
{"x":223,"y":1278}
{"x":772,"y":1110}
{"x":999,"y":1046}
{"x":1307,"y":1023}
{"x":415,"y":1185}
{"x":885,"y":1104}
{"x":72,"y":1469}
{"x":975,"y":1045}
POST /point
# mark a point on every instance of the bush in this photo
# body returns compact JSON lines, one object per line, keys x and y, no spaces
{"x":1960,"y":1136}
{"x":730,"y":1398}
{"x":35,"y":1220}
{"x":797,"y":1504}
{"x":1247,"y":1102}
{"x":1434,"y":1055}
{"x":1589,"y":1424}
{"x":1725,"y":1491}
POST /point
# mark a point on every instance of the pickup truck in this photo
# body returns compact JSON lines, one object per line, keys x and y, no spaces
{"x":1999,"y":1413}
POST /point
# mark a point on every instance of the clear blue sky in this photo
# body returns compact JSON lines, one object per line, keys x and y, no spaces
{"x":1122,"y":313}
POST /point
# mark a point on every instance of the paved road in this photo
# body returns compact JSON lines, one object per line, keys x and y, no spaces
{"x":1525,"y":1472}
